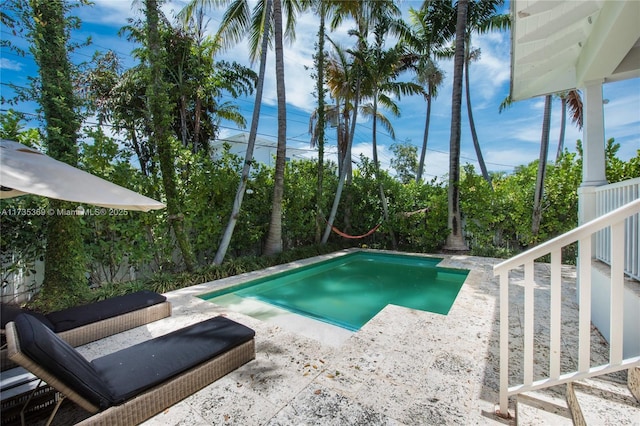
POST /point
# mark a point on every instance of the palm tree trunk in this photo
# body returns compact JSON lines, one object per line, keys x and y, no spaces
{"x":376,"y":168}
{"x":542,"y":167}
{"x":346,"y":162}
{"x":563,"y":125}
{"x":472,"y":125}
{"x":425,"y":138}
{"x":321,"y":122}
{"x":274,"y":236}
{"x":455,"y":240}
{"x":248,"y":158}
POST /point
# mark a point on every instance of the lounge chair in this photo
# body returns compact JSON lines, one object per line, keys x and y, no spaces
{"x":84,"y":324}
{"x":131,"y":385}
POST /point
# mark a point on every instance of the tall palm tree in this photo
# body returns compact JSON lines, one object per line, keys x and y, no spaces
{"x":366,"y":14}
{"x":455,"y":240}
{"x":341,"y":82}
{"x":381,"y":69}
{"x":482,"y":17}
{"x":259,"y":23}
{"x":430,"y":28}
{"x":344,"y":82}
{"x":274,"y":236}
{"x":542,"y":167}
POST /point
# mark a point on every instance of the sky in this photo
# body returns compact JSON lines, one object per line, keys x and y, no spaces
{"x":508,"y":139}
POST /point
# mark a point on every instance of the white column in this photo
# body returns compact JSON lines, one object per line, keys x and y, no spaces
{"x":593,"y":161}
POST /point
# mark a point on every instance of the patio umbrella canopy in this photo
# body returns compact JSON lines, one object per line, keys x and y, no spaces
{"x":24,"y":170}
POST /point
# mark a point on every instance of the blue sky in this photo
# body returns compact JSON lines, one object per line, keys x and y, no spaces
{"x":508,"y":139}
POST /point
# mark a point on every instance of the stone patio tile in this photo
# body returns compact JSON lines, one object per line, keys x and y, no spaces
{"x":321,"y":406}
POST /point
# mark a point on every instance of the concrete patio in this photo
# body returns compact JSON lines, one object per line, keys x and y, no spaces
{"x":404,"y":367}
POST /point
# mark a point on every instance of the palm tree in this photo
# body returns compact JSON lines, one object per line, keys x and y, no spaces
{"x":542,"y":167}
{"x":428,"y":33}
{"x":343,"y":78}
{"x":274,"y":236}
{"x":481,"y":18}
{"x":455,"y":240}
{"x":259,"y":23}
{"x":341,"y":81}
{"x":366,"y":14}
{"x":381,"y":69}
{"x":573,"y":101}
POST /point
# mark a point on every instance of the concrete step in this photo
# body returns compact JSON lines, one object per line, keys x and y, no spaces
{"x":543,"y":407}
{"x":633,"y":381}
{"x":599,"y":401}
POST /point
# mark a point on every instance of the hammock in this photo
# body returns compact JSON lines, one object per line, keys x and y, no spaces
{"x":354,"y":237}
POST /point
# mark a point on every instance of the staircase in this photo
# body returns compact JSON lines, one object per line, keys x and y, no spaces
{"x":604,"y":400}
{"x":553,"y":385}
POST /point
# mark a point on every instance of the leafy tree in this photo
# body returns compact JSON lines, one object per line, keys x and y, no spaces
{"x":455,"y":241}
{"x":65,"y":258}
{"x":616,"y":169}
{"x":22,"y":239}
{"x":405,"y":161}
{"x":160,"y":121}
{"x":318,"y":138}
{"x":117,"y":243}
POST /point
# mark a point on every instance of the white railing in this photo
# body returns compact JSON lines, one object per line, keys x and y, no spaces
{"x":608,"y":198}
{"x":614,"y":220}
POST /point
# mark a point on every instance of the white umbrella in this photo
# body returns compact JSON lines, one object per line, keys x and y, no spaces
{"x":24,"y":170}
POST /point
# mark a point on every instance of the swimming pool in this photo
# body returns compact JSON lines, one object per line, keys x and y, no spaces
{"x":349,"y":290}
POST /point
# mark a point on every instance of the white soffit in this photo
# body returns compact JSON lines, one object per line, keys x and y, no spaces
{"x":559,"y":45}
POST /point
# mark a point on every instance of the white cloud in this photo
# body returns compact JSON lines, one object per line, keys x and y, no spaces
{"x":489,"y":75}
{"x":8,"y":64}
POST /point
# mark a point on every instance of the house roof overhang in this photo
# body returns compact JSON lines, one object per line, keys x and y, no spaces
{"x":559,"y":45}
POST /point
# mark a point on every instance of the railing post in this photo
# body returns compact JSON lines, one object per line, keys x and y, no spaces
{"x":504,"y":344}
{"x":529,"y":284}
{"x":616,"y":313}
{"x":555,"y":313}
{"x":584,"y":315}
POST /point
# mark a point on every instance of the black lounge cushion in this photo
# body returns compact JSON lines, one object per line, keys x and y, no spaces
{"x":78,"y":316}
{"x":56,"y":356}
{"x":9,"y":312}
{"x":115,"y":378}
{"x":132,"y":370}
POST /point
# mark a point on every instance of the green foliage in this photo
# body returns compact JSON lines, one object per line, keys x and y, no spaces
{"x":618,"y":170}
{"x":299,"y":217}
{"x":405,"y":161}
{"x":421,"y":212}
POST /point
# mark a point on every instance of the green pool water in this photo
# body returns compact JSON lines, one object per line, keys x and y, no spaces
{"x":350,"y":290}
